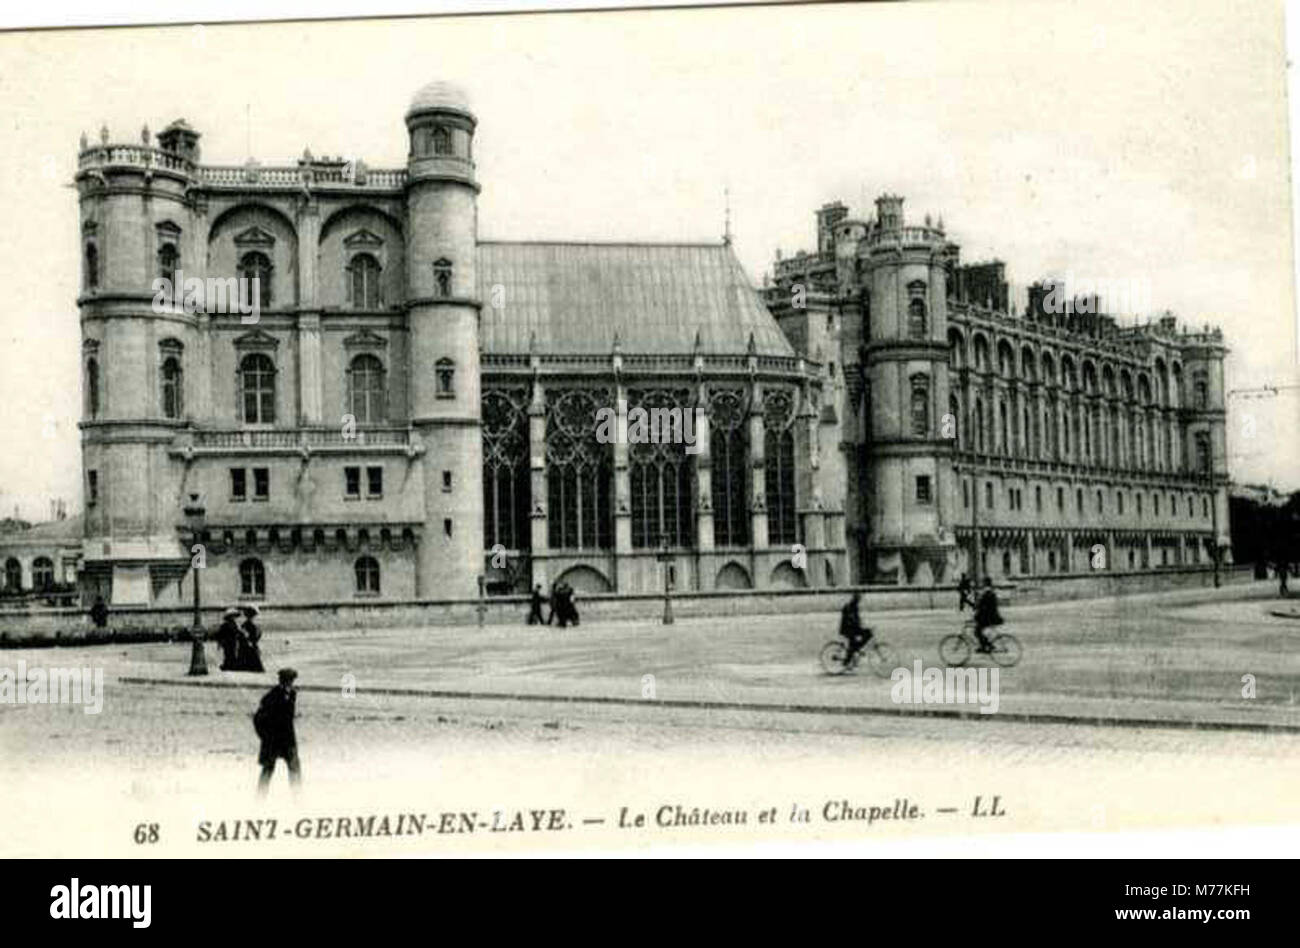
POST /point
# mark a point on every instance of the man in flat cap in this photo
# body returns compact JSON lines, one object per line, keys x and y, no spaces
{"x":274,"y":725}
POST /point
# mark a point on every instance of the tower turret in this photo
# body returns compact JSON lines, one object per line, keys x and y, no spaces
{"x":443,"y":314}
{"x":137,"y":225}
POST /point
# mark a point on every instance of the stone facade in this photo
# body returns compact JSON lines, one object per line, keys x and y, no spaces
{"x":1050,"y":439}
{"x":411,"y":410}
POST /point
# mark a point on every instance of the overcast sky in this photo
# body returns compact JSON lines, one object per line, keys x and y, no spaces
{"x":1150,"y":145}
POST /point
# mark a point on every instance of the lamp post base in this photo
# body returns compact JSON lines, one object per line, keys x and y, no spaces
{"x":198,"y":657}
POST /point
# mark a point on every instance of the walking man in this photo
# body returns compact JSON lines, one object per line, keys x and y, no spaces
{"x":535,"y":607}
{"x":274,"y":725}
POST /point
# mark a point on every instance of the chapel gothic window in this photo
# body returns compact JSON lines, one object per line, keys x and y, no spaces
{"x":579,"y":472}
{"x":442,"y":278}
{"x":659,"y":471}
{"x":729,"y":454}
{"x":778,"y":467}
{"x":507,"y":488}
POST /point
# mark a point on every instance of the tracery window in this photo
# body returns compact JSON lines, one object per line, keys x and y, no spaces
{"x":729,"y":453}
{"x":778,"y":467}
{"x":578,"y":471}
{"x":507,"y":488}
{"x":659,"y":471}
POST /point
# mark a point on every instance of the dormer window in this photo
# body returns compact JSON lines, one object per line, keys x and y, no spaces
{"x":442,"y":277}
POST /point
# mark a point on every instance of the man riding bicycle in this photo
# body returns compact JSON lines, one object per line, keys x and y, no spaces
{"x":852,"y":629}
{"x":986,"y":614}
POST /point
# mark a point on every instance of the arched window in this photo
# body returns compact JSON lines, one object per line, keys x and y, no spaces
{"x":367,"y":393}
{"x":445,"y":370}
{"x":441,"y":140}
{"x":916,"y":321}
{"x":1005,"y":428}
{"x":507,"y":488}
{"x":579,"y":471}
{"x":954,"y":413}
{"x":729,"y":452}
{"x":778,"y":468}
{"x":172,"y":390}
{"x":920,"y":406}
{"x":365,"y":282}
{"x":42,"y":572}
{"x":92,"y":388}
{"x":442,"y":277}
{"x":13,"y":575}
{"x":168,"y":260}
{"x":979,"y":425}
{"x":256,"y":265}
{"x":659,"y":472}
{"x":92,"y":266}
{"x":1203,"y":453}
{"x":367,"y":570}
{"x":257,"y":389}
{"x":252,"y":578}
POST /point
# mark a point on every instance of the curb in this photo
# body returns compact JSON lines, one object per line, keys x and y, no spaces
{"x":1263,"y":727}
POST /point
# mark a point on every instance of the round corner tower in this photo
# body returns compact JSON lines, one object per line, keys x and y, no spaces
{"x":137,"y":225}
{"x":912,"y":487}
{"x":443,"y":317}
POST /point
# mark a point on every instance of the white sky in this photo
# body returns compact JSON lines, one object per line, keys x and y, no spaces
{"x":1149,"y":143}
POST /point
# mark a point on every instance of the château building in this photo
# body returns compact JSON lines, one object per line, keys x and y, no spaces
{"x":410,"y":411}
{"x":414,"y":408}
{"x":1048,"y":436}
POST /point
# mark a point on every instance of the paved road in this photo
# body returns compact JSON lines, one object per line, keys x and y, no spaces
{"x":178,"y":755}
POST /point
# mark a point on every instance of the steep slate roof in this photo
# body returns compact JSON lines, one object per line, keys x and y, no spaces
{"x":575,"y":296}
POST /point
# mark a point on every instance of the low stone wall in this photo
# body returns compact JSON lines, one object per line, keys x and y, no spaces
{"x":38,"y":626}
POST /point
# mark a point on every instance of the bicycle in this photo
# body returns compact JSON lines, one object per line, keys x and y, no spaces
{"x":956,"y":650}
{"x":881,"y":658}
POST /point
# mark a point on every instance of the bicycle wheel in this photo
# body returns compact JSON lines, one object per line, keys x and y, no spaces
{"x":881,"y":659}
{"x":1006,"y":649}
{"x":832,"y":658}
{"x":954,"y":650}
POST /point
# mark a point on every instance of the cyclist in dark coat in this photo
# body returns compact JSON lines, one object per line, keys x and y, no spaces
{"x":851,"y":627}
{"x":986,"y":614}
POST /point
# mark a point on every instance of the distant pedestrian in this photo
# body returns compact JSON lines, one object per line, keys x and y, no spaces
{"x":1282,"y":569}
{"x":99,"y":612}
{"x":965,"y":593}
{"x":562,"y":605}
{"x":227,"y":638}
{"x":273,"y":722}
{"x":535,"y":603}
{"x":250,"y":655}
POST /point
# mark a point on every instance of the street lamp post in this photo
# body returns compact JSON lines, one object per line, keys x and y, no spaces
{"x":194,"y":513}
{"x":667,"y":558}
